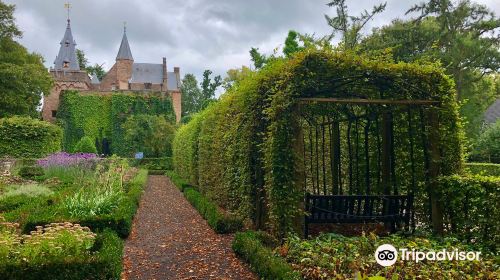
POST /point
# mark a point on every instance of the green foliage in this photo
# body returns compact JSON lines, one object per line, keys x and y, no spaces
{"x":459,"y":34}
{"x":262,"y":260}
{"x":487,"y":147}
{"x":192,"y":100}
{"x":85,"y":145}
{"x":471,"y":209}
{"x":164,"y":163}
{"x":72,"y":257}
{"x":485,"y":169}
{"x":23,"y":77}
{"x":234,"y":76}
{"x":31,"y":172}
{"x":180,"y":183}
{"x":291,"y":44}
{"x":208,"y":88}
{"x":152,"y":135}
{"x":333,"y":256}
{"x":101,"y":116}
{"x":220,"y":222}
{"x":241,"y":150}
{"x":8,"y":28}
{"x":24,"y":137}
{"x":29,"y":190}
{"x":350,"y":26}
{"x":258,"y":59}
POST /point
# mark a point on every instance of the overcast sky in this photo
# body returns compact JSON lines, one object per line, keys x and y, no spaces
{"x":192,"y":34}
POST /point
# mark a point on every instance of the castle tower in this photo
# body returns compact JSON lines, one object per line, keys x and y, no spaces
{"x":124,"y":62}
{"x":66,"y":73}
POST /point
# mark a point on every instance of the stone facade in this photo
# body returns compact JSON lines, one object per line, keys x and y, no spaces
{"x":125,"y":76}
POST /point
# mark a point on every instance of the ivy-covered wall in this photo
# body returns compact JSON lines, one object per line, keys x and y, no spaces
{"x":24,"y":137}
{"x":101,"y":116}
{"x":245,"y":154}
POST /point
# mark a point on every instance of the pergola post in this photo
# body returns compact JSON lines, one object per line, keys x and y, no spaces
{"x":300,"y":169}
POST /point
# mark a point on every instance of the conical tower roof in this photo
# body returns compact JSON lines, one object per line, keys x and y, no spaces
{"x":66,"y":58}
{"x":124,"y":51}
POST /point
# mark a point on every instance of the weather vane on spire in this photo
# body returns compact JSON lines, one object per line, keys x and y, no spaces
{"x":67,"y":6}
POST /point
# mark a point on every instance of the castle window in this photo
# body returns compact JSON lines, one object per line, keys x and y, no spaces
{"x":113,"y":87}
{"x":147,"y":85}
{"x":54,"y":113}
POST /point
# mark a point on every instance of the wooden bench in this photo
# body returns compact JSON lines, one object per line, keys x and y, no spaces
{"x":341,"y":209}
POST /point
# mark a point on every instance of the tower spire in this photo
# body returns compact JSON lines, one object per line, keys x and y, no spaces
{"x":124,"y":52}
{"x":66,"y":59}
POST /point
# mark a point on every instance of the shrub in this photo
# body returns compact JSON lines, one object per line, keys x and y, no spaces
{"x":24,"y":137}
{"x":31,"y":172}
{"x":487,"y":147}
{"x":30,"y":190}
{"x":262,"y":260}
{"x":156,"y":172}
{"x":85,"y":145}
{"x":333,"y":256}
{"x":220,"y":222}
{"x":486,"y":169}
{"x":102,"y":261}
{"x":150,"y":134}
{"x":180,"y":183}
{"x":471,"y":208}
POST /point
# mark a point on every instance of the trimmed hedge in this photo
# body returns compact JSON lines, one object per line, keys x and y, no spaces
{"x":220,"y":222}
{"x":163,"y":163}
{"x":106,"y":263}
{"x":262,"y":260}
{"x":120,"y":220}
{"x":24,"y":137}
{"x":486,"y":169}
{"x":85,"y":145}
{"x":31,"y":172}
{"x":471,"y":207}
{"x":243,"y":151}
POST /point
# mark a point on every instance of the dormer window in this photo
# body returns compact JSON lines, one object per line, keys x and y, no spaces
{"x":66,"y":43}
{"x":66,"y":64}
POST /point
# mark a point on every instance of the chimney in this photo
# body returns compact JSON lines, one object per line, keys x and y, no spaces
{"x":164,"y":76}
{"x":177,"y":76}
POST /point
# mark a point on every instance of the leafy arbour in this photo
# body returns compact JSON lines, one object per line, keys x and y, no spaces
{"x":244,"y":151}
{"x":101,"y":115}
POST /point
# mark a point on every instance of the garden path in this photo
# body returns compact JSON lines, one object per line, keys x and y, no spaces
{"x":170,"y":240}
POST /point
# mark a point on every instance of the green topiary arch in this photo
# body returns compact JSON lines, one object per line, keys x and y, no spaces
{"x":251,"y":150}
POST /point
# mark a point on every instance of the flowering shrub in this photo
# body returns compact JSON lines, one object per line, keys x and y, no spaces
{"x":52,"y":242}
{"x":62,"y":159}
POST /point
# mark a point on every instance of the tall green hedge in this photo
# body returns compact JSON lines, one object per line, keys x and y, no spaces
{"x":244,"y":155}
{"x":24,"y":137}
{"x":101,"y":115}
{"x":472,"y":208}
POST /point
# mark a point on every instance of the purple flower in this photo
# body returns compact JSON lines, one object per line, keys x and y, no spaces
{"x":64,"y":159}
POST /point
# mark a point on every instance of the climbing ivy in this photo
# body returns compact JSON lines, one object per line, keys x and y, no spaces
{"x":244,"y":155}
{"x":101,"y":116}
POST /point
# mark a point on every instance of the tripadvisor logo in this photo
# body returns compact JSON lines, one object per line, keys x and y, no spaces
{"x":387,"y":255}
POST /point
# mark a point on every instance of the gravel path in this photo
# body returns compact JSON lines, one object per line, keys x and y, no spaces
{"x":170,"y":240}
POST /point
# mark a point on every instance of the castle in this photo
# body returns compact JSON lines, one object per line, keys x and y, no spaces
{"x":125,"y":76}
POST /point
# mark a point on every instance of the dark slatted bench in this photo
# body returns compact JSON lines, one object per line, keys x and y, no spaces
{"x":354,"y":209}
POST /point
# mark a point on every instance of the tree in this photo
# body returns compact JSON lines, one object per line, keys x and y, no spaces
{"x":234,"y":76}
{"x":91,"y":70}
{"x":350,"y":26}
{"x":487,"y":147}
{"x":23,"y":77}
{"x":462,"y":37}
{"x":152,"y":135}
{"x":97,"y":70}
{"x":208,"y":87}
{"x":291,"y":43}
{"x":8,"y":28}
{"x":82,"y":60}
{"x":191,"y":95}
{"x":258,"y":59}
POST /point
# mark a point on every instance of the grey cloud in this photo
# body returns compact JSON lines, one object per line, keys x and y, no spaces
{"x":192,"y":34}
